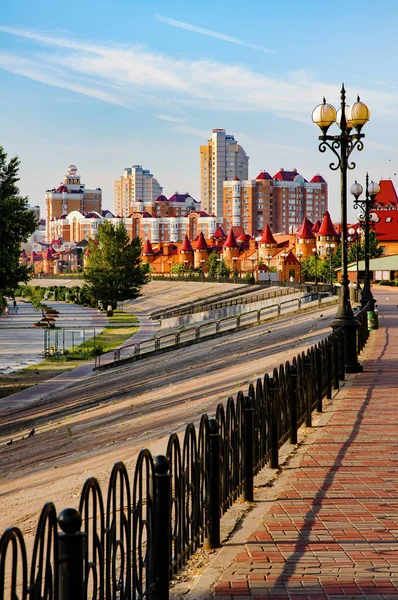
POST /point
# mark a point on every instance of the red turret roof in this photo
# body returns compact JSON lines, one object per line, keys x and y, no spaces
{"x":236,"y":179}
{"x":147,"y":249}
{"x":87,"y":252}
{"x":47,"y":255}
{"x":327,"y":226}
{"x":316,"y":226}
{"x":387,"y":194}
{"x":186,"y":245}
{"x":231,"y":242}
{"x":291,"y":258}
{"x":245,"y":237}
{"x":263,"y":175}
{"x":267,"y":237}
{"x":305,"y":232}
{"x":62,"y":188}
{"x":201,"y":243}
{"x":219,"y":234}
{"x":317,"y":179}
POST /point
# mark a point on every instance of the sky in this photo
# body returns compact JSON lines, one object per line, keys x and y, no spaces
{"x":108,"y":85}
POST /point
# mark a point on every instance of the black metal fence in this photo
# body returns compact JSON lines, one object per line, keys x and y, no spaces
{"x":129,"y":542}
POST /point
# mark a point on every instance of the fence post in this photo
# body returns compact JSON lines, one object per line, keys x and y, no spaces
{"x":162,"y":533}
{"x":71,"y":549}
{"x":212,"y":539}
{"x":308,"y":392}
{"x":319,"y":375}
{"x":293,"y":404}
{"x":248,"y":450}
{"x":273,"y":426}
{"x":329,"y":369}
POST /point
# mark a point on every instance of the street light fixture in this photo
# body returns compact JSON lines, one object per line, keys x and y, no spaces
{"x":316,"y":256}
{"x":300,"y":258}
{"x":269,"y":258}
{"x":284,"y":256}
{"x":355,"y":236}
{"x":234,"y":259}
{"x":202,"y":268}
{"x":366,"y":206}
{"x":350,"y":121}
{"x":329,"y":253}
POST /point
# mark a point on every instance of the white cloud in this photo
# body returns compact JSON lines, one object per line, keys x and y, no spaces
{"x":173,"y":89}
{"x":211,"y":33}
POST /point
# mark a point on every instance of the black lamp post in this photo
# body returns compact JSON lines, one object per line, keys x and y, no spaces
{"x":300,"y":258}
{"x":350,"y":121}
{"x":284,"y":256}
{"x":355,"y":236}
{"x":329,"y":253}
{"x":316,"y":256}
{"x":366,"y":205}
{"x":269,"y":258}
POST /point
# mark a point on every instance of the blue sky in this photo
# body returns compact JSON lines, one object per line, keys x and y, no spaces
{"x":107,"y":85}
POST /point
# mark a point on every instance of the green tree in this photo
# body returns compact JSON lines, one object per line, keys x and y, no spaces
{"x":17,"y":223}
{"x":178,"y":269}
{"x":320,"y":267}
{"x":114,"y":271}
{"x":212,"y":264}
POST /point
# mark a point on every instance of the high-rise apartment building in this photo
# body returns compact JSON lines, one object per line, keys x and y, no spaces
{"x":220,"y":160}
{"x":69,"y":196}
{"x":135,"y":185}
{"x":281,"y":201}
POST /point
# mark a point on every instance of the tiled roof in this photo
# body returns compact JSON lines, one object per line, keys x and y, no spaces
{"x":147,"y":249}
{"x":267,"y":237}
{"x":179,"y":197}
{"x":317,"y":179}
{"x":263,"y":175}
{"x":201,"y":243}
{"x":219,"y":233}
{"x":245,"y":237}
{"x":386,"y":227}
{"x":305,"y":232}
{"x":62,"y":188}
{"x":231,"y":242}
{"x":161,"y":198}
{"x":291,"y":259}
{"x":238,"y":230}
{"x":327,"y":226}
{"x":387,"y":194}
{"x":283,"y":175}
{"x":47,"y":254}
{"x":186,"y":245}
{"x":316,"y":226}
{"x":236,"y":179}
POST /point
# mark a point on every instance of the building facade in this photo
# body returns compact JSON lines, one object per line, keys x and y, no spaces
{"x":135,"y":185}
{"x":282,"y":201}
{"x":220,"y":160}
{"x":71,"y":195}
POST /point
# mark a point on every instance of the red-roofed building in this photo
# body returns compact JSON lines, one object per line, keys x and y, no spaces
{"x":305,"y":239}
{"x":326,"y":234}
{"x":70,"y":196}
{"x":282,"y":201}
{"x":316,"y":226}
{"x":387,"y":197}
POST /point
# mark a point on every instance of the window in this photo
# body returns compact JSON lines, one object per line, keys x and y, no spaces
{"x":388,"y":220}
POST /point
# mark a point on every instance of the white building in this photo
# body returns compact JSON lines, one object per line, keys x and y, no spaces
{"x":220,"y":160}
{"x":136,"y":184}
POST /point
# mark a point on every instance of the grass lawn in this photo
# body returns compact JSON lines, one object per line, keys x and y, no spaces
{"x":109,"y":339}
{"x":122,"y":317}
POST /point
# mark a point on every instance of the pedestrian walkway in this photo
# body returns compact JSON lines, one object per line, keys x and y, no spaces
{"x":331,"y":530}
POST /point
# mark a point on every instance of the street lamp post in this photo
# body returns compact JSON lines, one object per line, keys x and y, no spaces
{"x":300,"y":258}
{"x":269,"y":258}
{"x":186,"y":269}
{"x":169,"y":262}
{"x":366,"y":205}
{"x":284,"y":256}
{"x":355,"y":236}
{"x":234,"y":259}
{"x":329,"y":253}
{"x":350,"y":121}
{"x":202,"y":268}
{"x":316,"y":255}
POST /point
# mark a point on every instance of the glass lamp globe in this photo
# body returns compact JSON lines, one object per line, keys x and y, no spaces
{"x":373,"y":189}
{"x":351,"y":231}
{"x":360,"y":114}
{"x":324,"y":115}
{"x":356,"y":189}
{"x":348,"y":121}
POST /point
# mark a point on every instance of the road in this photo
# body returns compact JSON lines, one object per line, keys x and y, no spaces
{"x":109,"y":417}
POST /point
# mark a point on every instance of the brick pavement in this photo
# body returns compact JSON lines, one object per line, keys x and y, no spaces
{"x":332,"y":530}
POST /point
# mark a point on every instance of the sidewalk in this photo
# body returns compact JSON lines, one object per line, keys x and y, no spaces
{"x":32,"y":395}
{"x":330,"y":530}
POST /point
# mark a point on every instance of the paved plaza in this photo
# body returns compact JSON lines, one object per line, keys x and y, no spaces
{"x":330,"y":529}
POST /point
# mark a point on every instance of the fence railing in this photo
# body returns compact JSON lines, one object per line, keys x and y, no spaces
{"x":214,"y":304}
{"x":127,"y":541}
{"x":200,"y":333}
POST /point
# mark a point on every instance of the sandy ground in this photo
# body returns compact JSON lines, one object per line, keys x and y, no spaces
{"x":83,"y":430}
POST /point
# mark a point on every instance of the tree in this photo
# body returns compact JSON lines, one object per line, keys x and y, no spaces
{"x":114,"y":271}
{"x":217,"y":266}
{"x":178,"y":269}
{"x":17,"y":223}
